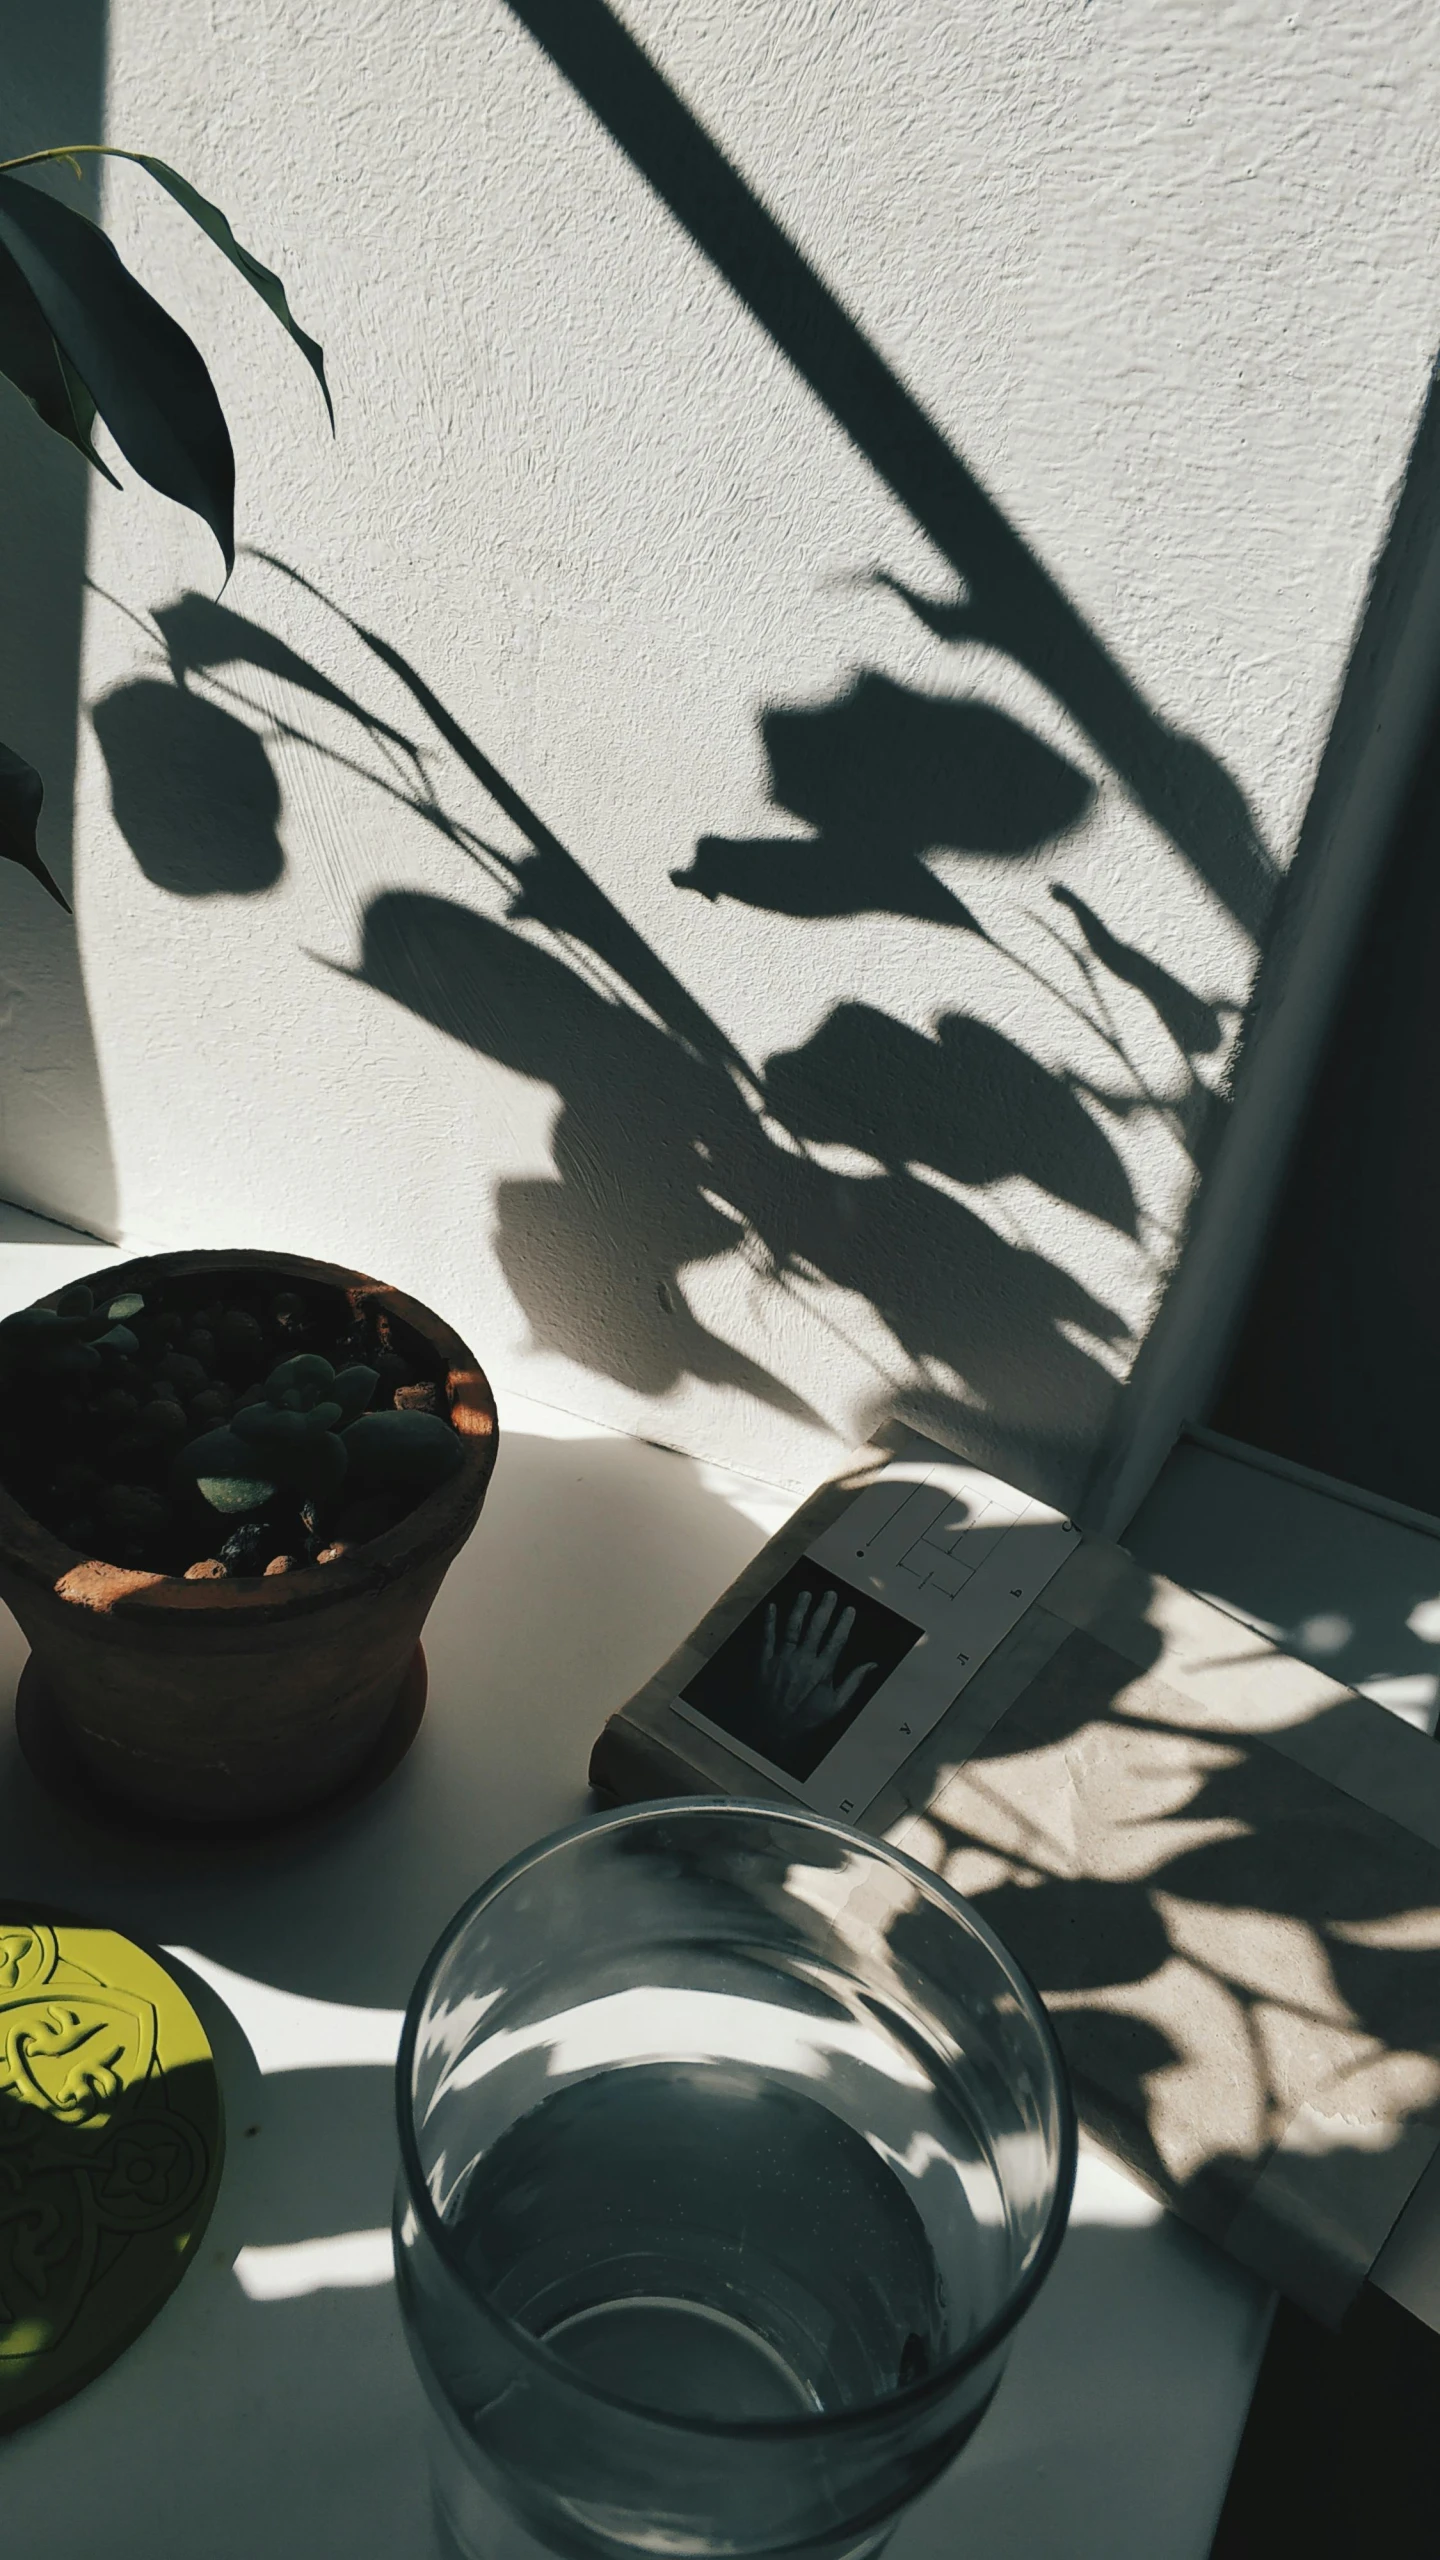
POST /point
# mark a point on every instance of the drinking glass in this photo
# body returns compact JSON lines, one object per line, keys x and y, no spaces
{"x":733,"y":2146}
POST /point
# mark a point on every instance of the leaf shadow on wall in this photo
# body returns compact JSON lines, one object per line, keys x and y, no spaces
{"x":1008,"y":601}
{"x":671,"y":1149}
{"x":192,"y":791}
{"x":885,"y":776}
{"x":192,"y":788}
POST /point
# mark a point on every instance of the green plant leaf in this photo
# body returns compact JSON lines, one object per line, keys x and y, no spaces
{"x":401,"y":1452}
{"x":223,"y":1469}
{"x":71,"y":1358}
{"x":353,"y":1389}
{"x":31,"y":359}
{"x":213,"y":223}
{"x":260,"y":1424}
{"x":235,"y":1493}
{"x":295,"y":1448}
{"x":45,"y":1343}
{"x":84,"y":413}
{"x":120,"y":1339}
{"x":146,"y":377}
{"x":215,"y":227}
{"x":305,"y":1373}
{"x":21,"y":793}
{"x":32,"y":1321}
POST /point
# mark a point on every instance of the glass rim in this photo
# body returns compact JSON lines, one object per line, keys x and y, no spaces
{"x":909,"y":2395}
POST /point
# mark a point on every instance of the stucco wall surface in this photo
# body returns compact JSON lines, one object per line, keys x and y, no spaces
{"x":914,"y":474}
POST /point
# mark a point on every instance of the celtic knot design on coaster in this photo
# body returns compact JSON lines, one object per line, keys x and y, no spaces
{"x":110,"y":2146}
{"x":26,"y":1956}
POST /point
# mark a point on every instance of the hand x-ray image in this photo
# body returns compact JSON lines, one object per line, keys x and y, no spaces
{"x":800,"y":1668}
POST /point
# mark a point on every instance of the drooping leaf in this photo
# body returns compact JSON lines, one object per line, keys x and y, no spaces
{"x":21,"y":793}
{"x":34,"y":363}
{"x":147,"y":378}
{"x":215,"y":227}
{"x":213,"y":223}
{"x":83,"y":411}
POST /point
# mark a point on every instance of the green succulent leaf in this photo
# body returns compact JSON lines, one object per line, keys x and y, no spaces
{"x":292,"y":1447}
{"x":235,"y":1493}
{"x":77,"y":1300}
{"x":119,"y":1338}
{"x":32,"y":360}
{"x":37,"y":1339}
{"x":32,"y":1324}
{"x":262,"y":1424}
{"x":224,"y":1469}
{"x":121,"y":1309}
{"x":51,"y":1334}
{"x":304,"y":1376}
{"x":401,"y":1452}
{"x":71,"y":1357}
{"x":147,"y":378}
{"x":352,"y":1390}
{"x":21,"y":793}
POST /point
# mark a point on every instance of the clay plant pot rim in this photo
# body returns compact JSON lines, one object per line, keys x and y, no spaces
{"x":433,"y":1527}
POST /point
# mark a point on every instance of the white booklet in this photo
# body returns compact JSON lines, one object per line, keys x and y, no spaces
{"x":855,"y":1652}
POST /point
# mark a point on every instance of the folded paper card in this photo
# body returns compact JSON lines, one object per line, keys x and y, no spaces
{"x":1220,"y":1867}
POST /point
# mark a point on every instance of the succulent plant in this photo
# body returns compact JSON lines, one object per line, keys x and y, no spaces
{"x":156,"y":1432}
{"x":69,"y":1339}
{"x":305,"y":1433}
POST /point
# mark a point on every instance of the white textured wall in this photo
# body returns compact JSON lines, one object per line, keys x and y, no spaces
{"x":1162,"y":275}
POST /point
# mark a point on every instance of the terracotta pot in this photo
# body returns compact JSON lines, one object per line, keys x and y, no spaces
{"x":236,"y":1700}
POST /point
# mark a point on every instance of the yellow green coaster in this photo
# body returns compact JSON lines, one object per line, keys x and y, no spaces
{"x":111,"y":2142}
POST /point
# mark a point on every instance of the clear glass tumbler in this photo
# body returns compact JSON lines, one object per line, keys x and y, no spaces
{"x":733,"y":2146}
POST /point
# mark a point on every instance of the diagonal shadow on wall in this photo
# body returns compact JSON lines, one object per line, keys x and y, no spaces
{"x":1009,"y":599}
{"x":672,"y":1149}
